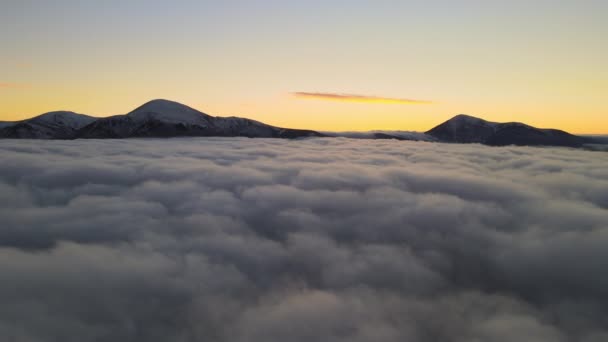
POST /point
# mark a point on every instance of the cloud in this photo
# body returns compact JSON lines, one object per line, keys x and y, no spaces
{"x":230,"y":239}
{"x":357,"y":98}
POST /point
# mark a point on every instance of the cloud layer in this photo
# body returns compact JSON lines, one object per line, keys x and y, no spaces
{"x":306,"y":240}
{"x":357,"y":98}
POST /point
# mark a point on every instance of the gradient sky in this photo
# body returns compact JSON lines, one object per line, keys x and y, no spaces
{"x":412,"y":64}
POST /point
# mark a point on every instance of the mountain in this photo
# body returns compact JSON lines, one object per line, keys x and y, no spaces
{"x":53,"y":125}
{"x":468,"y":129}
{"x":157,"y":118}
{"x":379,"y":134}
{"x":163,"y":118}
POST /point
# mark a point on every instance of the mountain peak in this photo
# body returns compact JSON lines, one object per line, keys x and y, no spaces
{"x":464,"y":128}
{"x":468,"y":129}
{"x":62,"y":118}
{"x":465,"y":118}
{"x":162,"y":105}
{"x":164,"y":118}
{"x":168,"y":111}
{"x":51,"y":125}
{"x":55,"y":113}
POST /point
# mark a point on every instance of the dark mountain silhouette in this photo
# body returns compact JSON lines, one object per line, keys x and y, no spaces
{"x":163,"y":118}
{"x":157,"y":118}
{"x":53,"y":125}
{"x":468,"y":129}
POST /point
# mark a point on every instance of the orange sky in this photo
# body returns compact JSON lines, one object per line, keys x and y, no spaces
{"x":411,"y":65}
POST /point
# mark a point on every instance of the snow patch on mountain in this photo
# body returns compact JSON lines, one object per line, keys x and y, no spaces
{"x":163,"y":118}
{"x":169,"y":112}
{"x":52,"y":125}
{"x":62,"y":119}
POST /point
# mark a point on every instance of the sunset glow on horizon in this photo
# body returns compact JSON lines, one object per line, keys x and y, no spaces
{"x":396,"y":65}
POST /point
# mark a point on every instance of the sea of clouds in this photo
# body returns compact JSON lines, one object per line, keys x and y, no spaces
{"x":303,"y":240}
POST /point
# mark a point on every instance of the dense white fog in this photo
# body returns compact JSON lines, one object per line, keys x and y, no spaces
{"x":304,"y":240}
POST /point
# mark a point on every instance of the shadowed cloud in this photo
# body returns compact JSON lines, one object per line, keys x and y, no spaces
{"x":329,"y":239}
{"x":357,"y":98}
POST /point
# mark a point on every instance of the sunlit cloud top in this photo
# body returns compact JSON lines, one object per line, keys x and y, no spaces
{"x":357,"y":98}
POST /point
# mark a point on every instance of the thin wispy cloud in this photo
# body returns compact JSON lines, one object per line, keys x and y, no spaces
{"x":357,"y":98}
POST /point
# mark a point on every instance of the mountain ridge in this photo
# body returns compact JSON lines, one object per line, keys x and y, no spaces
{"x":467,"y":129}
{"x":164,"y":118}
{"x":156,"y":118}
{"x":51,"y":125}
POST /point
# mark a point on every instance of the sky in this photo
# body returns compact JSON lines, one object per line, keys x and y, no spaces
{"x":324,"y":65}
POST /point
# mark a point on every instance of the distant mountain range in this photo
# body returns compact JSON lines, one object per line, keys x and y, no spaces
{"x":466,"y":129}
{"x":157,"y":118}
{"x":162,"y":118}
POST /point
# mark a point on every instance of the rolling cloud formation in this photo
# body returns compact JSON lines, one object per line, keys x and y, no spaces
{"x":307,"y":240}
{"x":356,"y":98}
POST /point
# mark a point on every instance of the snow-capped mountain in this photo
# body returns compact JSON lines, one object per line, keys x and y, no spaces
{"x":468,"y":129}
{"x":157,"y":118}
{"x":53,"y":125}
{"x":163,"y":118}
